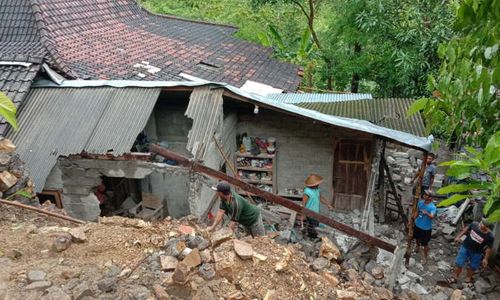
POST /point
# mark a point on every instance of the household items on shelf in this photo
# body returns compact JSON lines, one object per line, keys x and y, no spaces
{"x":261,"y":177}
{"x":293,"y":192}
{"x":254,"y":163}
{"x":256,"y":145}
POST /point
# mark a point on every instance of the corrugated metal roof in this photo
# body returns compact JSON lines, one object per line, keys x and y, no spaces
{"x":386,"y":112}
{"x":401,"y":137}
{"x":67,"y":121}
{"x":315,"y":97}
{"x":205,"y":109}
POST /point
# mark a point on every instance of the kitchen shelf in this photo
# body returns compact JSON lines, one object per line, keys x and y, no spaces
{"x":270,"y":161}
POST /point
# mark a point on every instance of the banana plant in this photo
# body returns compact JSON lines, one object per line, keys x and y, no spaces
{"x":472,"y":163}
{"x":297,"y":54}
{"x":8,"y":110}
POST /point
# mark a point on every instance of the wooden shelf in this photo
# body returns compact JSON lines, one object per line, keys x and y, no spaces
{"x":267,"y":182}
{"x":250,"y":155}
{"x":255,"y":169}
{"x":290,"y":196}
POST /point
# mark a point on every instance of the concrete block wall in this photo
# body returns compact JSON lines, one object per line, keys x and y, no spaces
{"x":303,"y":147}
{"x":172,"y":125}
{"x":80,"y":177}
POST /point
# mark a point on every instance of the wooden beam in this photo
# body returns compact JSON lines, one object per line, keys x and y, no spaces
{"x":197,"y":167}
{"x":41,"y":211}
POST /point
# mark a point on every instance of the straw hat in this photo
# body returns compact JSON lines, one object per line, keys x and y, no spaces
{"x":313,"y":180}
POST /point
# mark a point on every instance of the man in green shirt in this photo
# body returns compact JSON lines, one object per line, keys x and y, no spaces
{"x":238,"y":210}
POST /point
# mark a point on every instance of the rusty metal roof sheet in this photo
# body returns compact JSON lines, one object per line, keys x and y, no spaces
{"x":62,"y":121}
{"x":385,"y":112}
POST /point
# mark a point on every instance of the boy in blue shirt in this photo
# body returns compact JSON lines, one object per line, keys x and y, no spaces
{"x":311,"y":200}
{"x":426,"y":212}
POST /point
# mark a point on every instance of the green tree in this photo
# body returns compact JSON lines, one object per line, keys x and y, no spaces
{"x":8,"y":110}
{"x":391,"y":44}
{"x":465,"y":106}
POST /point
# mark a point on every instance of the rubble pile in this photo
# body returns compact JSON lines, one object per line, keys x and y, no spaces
{"x":14,"y":177}
{"x":124,"y":258}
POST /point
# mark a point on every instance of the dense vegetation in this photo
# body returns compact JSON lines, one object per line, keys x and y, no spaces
{"x":384,"y":47}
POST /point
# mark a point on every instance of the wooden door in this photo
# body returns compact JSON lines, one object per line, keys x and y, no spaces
{"x":350,"y":174}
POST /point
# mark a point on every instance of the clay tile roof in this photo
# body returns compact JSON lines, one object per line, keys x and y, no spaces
{"x":104,"y":39}
{"x":19,"y":42}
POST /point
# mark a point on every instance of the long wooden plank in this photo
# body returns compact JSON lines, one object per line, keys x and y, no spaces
{"x":197,"y":167}
{"x":41,"y":211}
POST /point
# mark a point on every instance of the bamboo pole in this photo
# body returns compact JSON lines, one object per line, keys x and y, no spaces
{"x":41,"y":211}
{"x":197,"y":167}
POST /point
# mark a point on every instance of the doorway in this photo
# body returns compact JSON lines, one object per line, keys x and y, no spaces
{"x":351,"y":168}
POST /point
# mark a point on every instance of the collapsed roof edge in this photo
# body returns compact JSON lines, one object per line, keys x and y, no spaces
{"x":400,"y":137}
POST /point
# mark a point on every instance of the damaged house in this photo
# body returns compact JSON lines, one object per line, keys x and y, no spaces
{"x":98,"y":83}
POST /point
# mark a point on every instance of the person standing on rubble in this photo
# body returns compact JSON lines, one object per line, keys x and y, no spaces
{"x":430,"y":172}
{"x":239,"y":211}
{"x":479,"y":240}
{"x":311,"y":199}
{"x":426,"y":211}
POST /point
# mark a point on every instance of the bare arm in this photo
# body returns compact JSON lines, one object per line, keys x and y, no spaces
{"x":464,"y":231}
{"x":487,"y":254}
{"x":325,"y":202}
{"x":218,"y":219}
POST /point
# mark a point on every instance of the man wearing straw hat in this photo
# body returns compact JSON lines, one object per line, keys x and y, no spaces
{"x":311,"y":199}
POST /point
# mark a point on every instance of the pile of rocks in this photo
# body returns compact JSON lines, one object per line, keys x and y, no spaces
{"x":13,"y":174}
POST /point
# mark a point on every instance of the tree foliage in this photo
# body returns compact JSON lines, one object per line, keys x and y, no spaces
{"x":464,"y":107}
{"x":479,"y":171}
{"x":8,"y":110}
{"x":391,"y":44}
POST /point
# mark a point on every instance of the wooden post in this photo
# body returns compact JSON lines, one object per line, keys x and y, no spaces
{"x":416,"y":197}
{"x":381,"y":188}
{"x":396,"y":265}
{"x":197,"y":167}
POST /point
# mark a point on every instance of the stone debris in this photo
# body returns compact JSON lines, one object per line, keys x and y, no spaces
{"x":78,"y":234}
{"x":221,"y":235}
{"x":160,"y":292}
{"x":55,"y":293}
{"x":61,"y":243}
{"x":329,"y":250}
{"x":193,"y":259}
{"x":242,"y":249}
{"x":283,"y":262}
{"x":168,"y":263}
{"x":38,"y":285}
{"x":36,"y":276}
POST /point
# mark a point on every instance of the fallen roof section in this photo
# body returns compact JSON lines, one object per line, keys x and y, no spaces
{"x":399,"y":137}
{"x":59,"y":122}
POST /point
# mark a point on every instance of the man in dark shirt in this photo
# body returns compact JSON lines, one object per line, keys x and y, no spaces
{"x":238,"y":210}
{"x":479,"y":239}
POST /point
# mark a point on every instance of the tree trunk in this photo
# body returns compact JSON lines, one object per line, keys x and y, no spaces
{"x":355,"y":76}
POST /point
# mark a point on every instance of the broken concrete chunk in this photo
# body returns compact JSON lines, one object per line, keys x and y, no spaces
{"x":107,"y":284}
{"x":160,"y":292}
{"x":332,"y":280}
{"x":61,"y":243}
{"x":346,"y":295}
{"x":181,"y":273}
{"x":282,"y":264}
{"x":184,"y":229}
{"x":55,"y":293}
{"x":378,"y":272}
{"x":221,"y":235}
{"x":193,"y":259}
{"x":260,"y":257}
{"x":320,"y":263}
{"x":328,"y":249}
{"x":383,"y":293}
{"x":78,"y":234}
{"x":168,"y":263}
{"x":482,"y":286}
{"x":206,"y":256}
{"x":7,"y":180}
{"x":174,"y":247}
{"x":6,"y":146}
{"x":456,"y":295}
{"x":38,"y":285}
{"x":80,"y":291}
{"x":206,"y":271}
{"x":243,"y":249}
{"x":36,"y":276}
{"x":236,"y":296}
